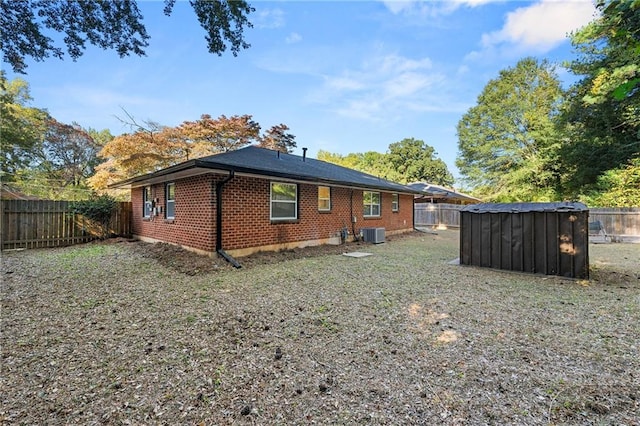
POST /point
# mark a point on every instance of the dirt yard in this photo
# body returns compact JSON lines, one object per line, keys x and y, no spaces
{"x":131,"y":333}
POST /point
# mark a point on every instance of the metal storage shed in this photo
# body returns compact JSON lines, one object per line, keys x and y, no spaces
{"x":541,"y":238}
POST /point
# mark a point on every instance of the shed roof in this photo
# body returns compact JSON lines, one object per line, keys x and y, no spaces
{"x":253,"y":160}
{"x":563,"y":206}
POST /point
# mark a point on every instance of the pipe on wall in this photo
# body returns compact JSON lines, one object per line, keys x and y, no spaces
{"x":219,"y":249}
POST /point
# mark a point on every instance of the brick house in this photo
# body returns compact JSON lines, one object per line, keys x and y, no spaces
{"x":255,"y":199}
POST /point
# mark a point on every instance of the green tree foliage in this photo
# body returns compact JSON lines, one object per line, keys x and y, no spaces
{"x":60,"y":167}
{"x":602,"y":115}
{"x":98,"y":208}
{"x":617,"y":187}
{"x":115,"y":24}
{"x":609,"y":49}
{"x":40,"y":155}
{"x":415,"y":161}
{"x":410,"y":160}
{"x":508,"y":142}
{"x":21,"y":127}
{"x":377,"y":164}
{"x":351,"y":161}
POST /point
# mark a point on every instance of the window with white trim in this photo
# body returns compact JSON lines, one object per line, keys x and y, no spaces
{"x":324,"y":198}
{"x":371,"y":203}
{"x":284,"y":201}
{"x":147,"y":201}
{"x":170,"y":201}
{"x":395,"y":203}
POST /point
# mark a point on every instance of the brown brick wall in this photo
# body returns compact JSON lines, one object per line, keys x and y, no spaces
{"x":246,"y":214}
{"x":194,"y":223}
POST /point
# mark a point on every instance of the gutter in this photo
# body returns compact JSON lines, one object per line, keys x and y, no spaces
{"x":219,"y":248}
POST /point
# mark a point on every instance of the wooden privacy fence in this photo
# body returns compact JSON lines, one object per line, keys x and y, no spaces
{"x":437,"y":214}
{"x":622,"y":222}
{"x":46,"y":223}
{"x":619,"y":221}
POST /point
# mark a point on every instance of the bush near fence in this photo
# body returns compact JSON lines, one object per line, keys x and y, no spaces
{"x":46,"y":223}
{"x":622,"y":222}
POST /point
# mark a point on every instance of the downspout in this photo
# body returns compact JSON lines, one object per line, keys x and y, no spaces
{"x":414,"y":216}
{"x":219,"y":248}
{"x":353,"y":223}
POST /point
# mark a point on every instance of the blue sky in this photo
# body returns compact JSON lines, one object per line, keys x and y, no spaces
{"x":345,"y":77}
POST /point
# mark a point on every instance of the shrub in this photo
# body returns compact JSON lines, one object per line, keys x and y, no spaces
{"x":98,"y":209}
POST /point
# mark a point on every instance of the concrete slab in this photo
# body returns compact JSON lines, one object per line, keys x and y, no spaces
{"x":357,"y":254}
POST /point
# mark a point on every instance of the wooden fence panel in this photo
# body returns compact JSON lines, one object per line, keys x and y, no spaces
{"x":624,"y":221}
{"x":437,"y":214}
{"x":46,"y":223}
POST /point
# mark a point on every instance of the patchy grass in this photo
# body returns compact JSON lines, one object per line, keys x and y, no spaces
{"x":126,"y":333}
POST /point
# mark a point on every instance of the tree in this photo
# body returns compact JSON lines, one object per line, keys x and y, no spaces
{"x":21,"y":127}
{"x":602,"y":117}
{"x":508,"y":142}
{"x":60,"y":166}
{"x":351,"y":161}
{"x":100,"y":137}
{"x":69,"y":153}
{"x":115,"y":24}
{"x":406,"y":161}
{"x":609,"y":48}
{"x":211,"y":136}
{"x":152,"y":146}
{"x":377,"y":164}
{"x":132,"y":154}
{"x":278,"y":139}
{"x":415,"y":161}
{"x":618,"y":187}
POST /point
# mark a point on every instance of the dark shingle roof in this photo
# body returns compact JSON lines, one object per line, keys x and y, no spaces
{"x":269,"y":163}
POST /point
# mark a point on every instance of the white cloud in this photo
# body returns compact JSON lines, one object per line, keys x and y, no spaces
{"x":380,"y":87}
{"x":397,"y":6}
{"x":430,"y":8}
{"x":365,"y":109}
{"x":462,"y":70}
{"x":293,"y":38}
{"x":268,"y":18}
{"x":542,"y":26}
{"x":396,"y":64}
{"x":384,"y":87}
{"x":406,"y":84}
{"x":344,"y":83}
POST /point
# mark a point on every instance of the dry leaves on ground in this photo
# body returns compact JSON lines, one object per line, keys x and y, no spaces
{"x":132,"y":333}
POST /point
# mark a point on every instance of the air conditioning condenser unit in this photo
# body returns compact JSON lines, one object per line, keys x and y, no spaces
{"x":373,"y":235}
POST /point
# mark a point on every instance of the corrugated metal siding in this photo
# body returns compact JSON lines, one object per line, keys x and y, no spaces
{"x":541,"y":241}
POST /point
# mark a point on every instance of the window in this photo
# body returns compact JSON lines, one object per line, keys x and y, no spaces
{"x":324,"y":198}
{"x":147,"y":201}
{"x":284,"y":201}
{"x":394,"y":202}
{"x":371,"y":203}
{"x":170,"y":197}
